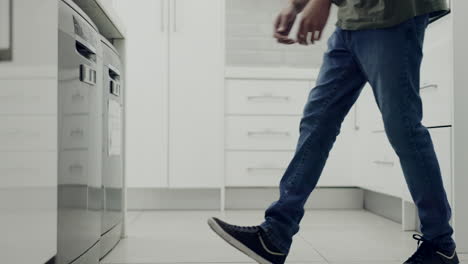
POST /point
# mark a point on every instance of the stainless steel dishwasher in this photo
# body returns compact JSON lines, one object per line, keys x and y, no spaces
{"x":112,"y":174}
{"x":80,"y":192}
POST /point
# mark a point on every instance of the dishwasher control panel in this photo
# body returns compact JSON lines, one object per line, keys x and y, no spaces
{"x":88,"y":74}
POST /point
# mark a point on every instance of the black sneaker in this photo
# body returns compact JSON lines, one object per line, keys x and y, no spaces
{"x":428,"y":253}
{"x":250,"y":240}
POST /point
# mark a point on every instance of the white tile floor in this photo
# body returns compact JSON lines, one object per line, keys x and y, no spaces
{"x":338,"y":237}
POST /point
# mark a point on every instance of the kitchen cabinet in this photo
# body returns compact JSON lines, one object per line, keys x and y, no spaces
{"x":196,"y":89}
{"x":28,"y":61}
{"x":175,"y":115}
{"x":28,"y":134}
{"x":436,"y":84}
{"x":262,"y":132}
{"x":266,"y":97}
{"x":368,"y":116}
{"x":146,"y":70}
{"x":257,"y":168}
{"x":262,"y":129}
{"x":338,"y":168}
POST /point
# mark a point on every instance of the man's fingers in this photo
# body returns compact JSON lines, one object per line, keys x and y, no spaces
{"x":314,"y":36}
{"x":319,"y":35}
{"x":302,"y":33}
{"x":283,"y":25}
{"x":308,"y":32}
{"x":280,"y":33}
{"x":277,"y":23}
{"x":284,"y":39}
{"x":287,"y":42}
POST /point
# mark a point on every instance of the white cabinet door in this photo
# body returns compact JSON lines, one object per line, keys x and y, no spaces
{"x":34,"y":39}
{"x":196,"y":101}
{"x":146,"y":74}
{"x":5,"y":26}
{"x":436,"y":74}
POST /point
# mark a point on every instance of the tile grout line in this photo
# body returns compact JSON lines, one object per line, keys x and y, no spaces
{"x":318,"y":252}
{"x":135,"y":218}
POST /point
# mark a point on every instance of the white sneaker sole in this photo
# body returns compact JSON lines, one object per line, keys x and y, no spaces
{"x":235,"y":243}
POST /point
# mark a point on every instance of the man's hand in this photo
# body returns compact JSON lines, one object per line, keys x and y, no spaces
{"x":314,"y":18}
{"x":284,"y":23}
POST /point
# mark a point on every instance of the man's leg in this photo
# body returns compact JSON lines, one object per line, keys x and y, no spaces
{"x":391,"y":60}
{"x":338,"y":86}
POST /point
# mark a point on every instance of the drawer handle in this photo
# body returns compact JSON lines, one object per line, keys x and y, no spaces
{"x":19,"y":99}
{"x":76,"y":168}
{"x":268,"y":97}
{"x":77,"y":97}
{"x":381,"y":162}
{"x":427,"y":86}
{"x":268,"y":133}
{"x":77,"y":133}
{"x":265,"y":169}
{"x":11,"y":132}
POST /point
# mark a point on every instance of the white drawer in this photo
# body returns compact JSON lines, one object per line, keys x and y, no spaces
{"x":442,"y":139}
{"x":75,"y":99}
{"x":28,"y":169}
{"x":28,"y":97}
{"x":75,"y":132}
{"x":262,"y":133}
{"x":436,"y":75}
{"x":28,"y":133}
{"x":256,"y":168}
{"x":73,"y":167}
{"x":384,"y":174}
{"x":266,"y":97}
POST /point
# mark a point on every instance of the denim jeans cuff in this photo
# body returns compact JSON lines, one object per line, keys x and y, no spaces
{"x":446,"y":244}
{"x":274,"y":238}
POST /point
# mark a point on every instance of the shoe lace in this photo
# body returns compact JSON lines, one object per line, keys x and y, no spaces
{"x":249,"y":229}
{"x":424,"y":247}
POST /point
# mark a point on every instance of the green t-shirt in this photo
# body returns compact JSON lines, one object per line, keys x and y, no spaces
{"x":372,"y":14}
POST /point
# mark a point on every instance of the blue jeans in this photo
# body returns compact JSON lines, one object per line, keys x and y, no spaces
{"x":389,"y":59}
